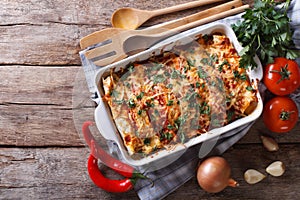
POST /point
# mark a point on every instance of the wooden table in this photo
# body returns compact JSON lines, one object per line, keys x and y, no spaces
{"x":42,"y":155}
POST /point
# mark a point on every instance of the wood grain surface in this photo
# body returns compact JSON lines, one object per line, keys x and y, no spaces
{"x":44,"y":100}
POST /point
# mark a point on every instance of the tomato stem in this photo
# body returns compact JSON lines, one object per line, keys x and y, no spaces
{"x":284,"y":73}
{"x":285,"y":115}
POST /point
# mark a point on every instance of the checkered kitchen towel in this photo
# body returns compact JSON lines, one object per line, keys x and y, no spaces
{"x":169,"y":178}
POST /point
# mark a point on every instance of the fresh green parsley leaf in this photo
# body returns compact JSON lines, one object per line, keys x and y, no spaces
{"x":265,"y":31}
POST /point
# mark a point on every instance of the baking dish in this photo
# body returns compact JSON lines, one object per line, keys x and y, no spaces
{"x":106,"y":125}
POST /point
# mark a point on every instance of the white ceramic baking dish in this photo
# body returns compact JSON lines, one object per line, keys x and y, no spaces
{"x":108,"y":129}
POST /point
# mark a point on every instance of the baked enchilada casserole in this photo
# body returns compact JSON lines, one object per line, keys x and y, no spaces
{"x":168,"y":99}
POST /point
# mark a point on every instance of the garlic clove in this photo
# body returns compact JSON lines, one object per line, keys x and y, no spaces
{"x":276,"y":168}
{"x":269,"y":143}
{"x":253,"y":176}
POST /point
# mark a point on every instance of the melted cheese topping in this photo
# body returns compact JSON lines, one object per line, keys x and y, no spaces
{"x":171,"y":98}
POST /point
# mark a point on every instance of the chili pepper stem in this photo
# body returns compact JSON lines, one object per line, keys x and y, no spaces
{"x":137,"y":175}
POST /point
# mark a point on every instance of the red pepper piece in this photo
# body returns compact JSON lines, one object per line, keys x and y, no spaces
{"x":104,"y":183}
{"x":115,"y":164}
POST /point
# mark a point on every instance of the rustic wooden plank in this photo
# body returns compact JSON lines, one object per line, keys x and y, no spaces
{"x":43,"y":106}
{"x":241,"y":158}
{"x":36,"y":108}
{"x":71,"y":12}
{"x":48,"y":33}
{"x":60,"y":173}
{"x":258,"y":129}
{"x":37,"y":85}
{"x":51,"y":173}
{"x":35,"y":125}
{"x":45,"y":33}
{"x":91,"y":12}
{"x":48,"y":44}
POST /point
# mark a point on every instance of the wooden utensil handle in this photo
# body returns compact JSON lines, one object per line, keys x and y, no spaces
{"x":146,"y":39}
{"x":184,"y":6}
{"x":211,"y":18}
{"x":201,"y":15}
{"x":176,"y":24}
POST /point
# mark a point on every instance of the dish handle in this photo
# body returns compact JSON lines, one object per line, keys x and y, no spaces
{"x":104,"y":122}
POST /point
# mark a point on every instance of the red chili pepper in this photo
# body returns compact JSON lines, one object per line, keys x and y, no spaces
{"x":106,"y":184}
{"x":107,"y":159}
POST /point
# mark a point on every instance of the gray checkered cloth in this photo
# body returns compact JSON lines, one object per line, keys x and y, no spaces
{"x":168,"y":179}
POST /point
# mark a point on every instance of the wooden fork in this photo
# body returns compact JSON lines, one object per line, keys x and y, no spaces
{"x":114,"y":44}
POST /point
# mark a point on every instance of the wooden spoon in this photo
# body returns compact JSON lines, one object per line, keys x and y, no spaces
{"x":131,"y":18}
{"x":118,"y":46}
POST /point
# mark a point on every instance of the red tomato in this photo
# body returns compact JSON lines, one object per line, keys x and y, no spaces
{"x":282,"y":77}
{"x":280,"y":114}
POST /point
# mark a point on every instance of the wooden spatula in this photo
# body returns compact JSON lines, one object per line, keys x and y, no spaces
{"x":115,"y":44}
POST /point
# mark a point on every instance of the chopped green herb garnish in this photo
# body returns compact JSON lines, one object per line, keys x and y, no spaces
{"x":230,"y":116}
{"x":207,"y":37}
{"x":211,"y":60}
{"x":167,"y":74}
{"x":186,"y":68}
{"x":140,"y":96}
{"x":182,"y":75}
{"x":205,"y":61}
{"x":127,"y":84}
{"x":236,"y":74}
{"x":170,"y":86}
{"x":147,"y":141}
{"x":149,"y":104}
{"x":204,"y":108}
{"x":191,"y":50}
{"x":118,"y":101}
{"x":201,"y":73}
{"x":131,"y":68}
{"x":157,"y":67}
{"x":228,"y":100}
{"x":131,"y":103}
{"x":175,"y":74}
{"x":170,"y":102}
{"x":243,"y":77}
{"x":249,"y":88}
{"x":191,"y":96}
{"x":140,"y":112}
{"x":220,"y":84}
{"x":114,"y":93}
{"x":225,"y":62}
{"x":191,"y":62}
{"x":195,"y":123}
{"x":170,"y":126}
{"x":166,"y":136}
{"x":156,"y":112}
{"x":159,"y":78}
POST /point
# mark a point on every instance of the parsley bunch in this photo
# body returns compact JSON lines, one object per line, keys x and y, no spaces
{"x":265,"y":31}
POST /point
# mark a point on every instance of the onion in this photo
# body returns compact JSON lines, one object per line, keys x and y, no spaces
{"x":213,"y":175}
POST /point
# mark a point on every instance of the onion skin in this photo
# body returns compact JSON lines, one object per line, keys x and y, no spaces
{"x":213,"y":175}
